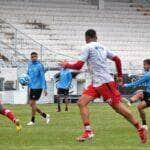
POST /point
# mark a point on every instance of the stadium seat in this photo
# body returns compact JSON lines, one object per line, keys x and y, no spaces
{"x":60,"y":25}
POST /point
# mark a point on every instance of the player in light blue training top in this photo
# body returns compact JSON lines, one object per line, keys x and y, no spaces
{"x":144,"y":96}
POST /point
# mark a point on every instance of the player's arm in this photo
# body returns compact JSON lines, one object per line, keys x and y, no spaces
{"x":44,"y":85}
{"x":138,"y":82}
{"x":78,"y":64}
{"x":117,"y":61}
{"x":118,"y":64}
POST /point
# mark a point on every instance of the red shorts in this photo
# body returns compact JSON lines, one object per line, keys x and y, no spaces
{"x":108,"y":91}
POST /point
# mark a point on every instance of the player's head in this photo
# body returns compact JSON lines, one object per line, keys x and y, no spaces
{"x":34,"y":56}
{"x":146,"y":64}
{"x":90,"y":36}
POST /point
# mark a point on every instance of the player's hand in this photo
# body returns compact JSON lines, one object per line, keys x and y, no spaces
{"x":125,"y":85}
{"x":120,"y":81}
{"x":63,"y":63}
{"x":45,"y":93}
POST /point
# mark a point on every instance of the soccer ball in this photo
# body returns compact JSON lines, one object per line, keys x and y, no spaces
{"x":24,"y":79}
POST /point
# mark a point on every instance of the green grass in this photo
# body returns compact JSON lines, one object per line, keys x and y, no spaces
{"x":112,"y":131}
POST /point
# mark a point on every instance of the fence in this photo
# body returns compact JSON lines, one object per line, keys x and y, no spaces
{"x":14,"y":43}
{"x":15,"y":48}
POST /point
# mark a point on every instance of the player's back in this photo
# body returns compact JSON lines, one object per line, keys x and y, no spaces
{"x":97,"y":55}
{"x":97,"y":62}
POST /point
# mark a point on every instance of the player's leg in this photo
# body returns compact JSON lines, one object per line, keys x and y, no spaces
{"x":113,"y":97}
{"x":145,"y":103}
{"x":35,"y":109}
{"x":133,"y":99}
{"x":88,"y":95}
{"x":125,"y":112}
{"x":33,"y":112}
{"x":38,"y":94}
{"x":66,"y":103}
{"x":58,"y":104}
{"x":58,"y":100}
{"x":125,"y":101}
{"x":9,"y":114}
{"x":84,"y":112}
{"x":66,"y":100}
{"x":32,"y":101}
{"x":141,"y":108}
{"x":43,"y":114}
{"x":137,"y":96}
{"x":35,"y":95}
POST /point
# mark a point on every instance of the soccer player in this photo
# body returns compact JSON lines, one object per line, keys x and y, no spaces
{"x":102,"y":84}
{"x":36,"y":86}
{"x":64,"y":83}
{"x":144,"y":96}
{"x":9,"y":114}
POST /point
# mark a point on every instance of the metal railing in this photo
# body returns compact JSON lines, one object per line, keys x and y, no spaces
{"x":20,"y":44}
{"x":11,"y":56}
{"x":15,"y":44}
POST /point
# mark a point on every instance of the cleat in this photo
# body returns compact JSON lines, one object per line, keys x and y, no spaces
{"x":126,"y":101}
{"x":18,"y":126}
{"x":66,"y":109}
{"x":30,"y":123}
{"x":58,"y":110}
{"x":87,"y":135}
{"x":143,"y":134}
{"x":47,"y":119}
{"x":145,"y":127}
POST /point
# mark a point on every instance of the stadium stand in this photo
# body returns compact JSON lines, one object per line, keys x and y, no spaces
{"x":142,"y":5}
{"x":60,"y":26}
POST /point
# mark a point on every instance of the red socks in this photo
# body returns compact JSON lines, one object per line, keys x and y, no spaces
{"x":9,"y":114}
{"x":87,"y":126}
{"x":138,"y":125}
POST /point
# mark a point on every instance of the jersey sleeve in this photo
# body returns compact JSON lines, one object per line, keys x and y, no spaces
{"x":110,"y":55}
{"x":83,"y":56}
{"x":138,"y":82}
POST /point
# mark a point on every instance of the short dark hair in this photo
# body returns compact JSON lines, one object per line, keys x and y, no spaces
{"x":34,"y":53}
{"x":90,"y":33}
{"x":147,"y":61}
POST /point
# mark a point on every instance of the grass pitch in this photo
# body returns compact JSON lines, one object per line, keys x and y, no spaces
{"x":112,"y":131}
